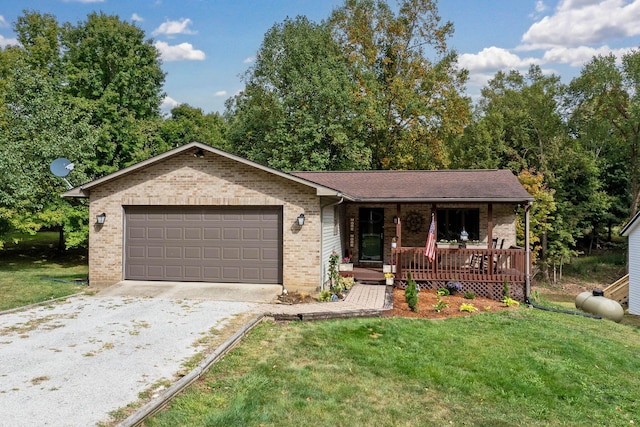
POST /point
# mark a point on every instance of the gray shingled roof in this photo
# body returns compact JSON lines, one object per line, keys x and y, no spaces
{"x":427,"y":186}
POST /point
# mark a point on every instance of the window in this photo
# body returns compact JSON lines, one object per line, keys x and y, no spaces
{"x":452,"y":221}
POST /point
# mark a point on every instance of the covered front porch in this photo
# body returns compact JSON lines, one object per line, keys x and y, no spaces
{"x":479,"y":270}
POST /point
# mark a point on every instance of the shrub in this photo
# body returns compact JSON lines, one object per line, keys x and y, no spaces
{"x":346,"y":282}
{"x":443,"y":292}
{"x":324,"y":296}
{"x":454,"y":287}
{"x":468,"y":307}
{"x":505,"y":289}
{"x":440,"y":305}
{"x":411,"y":293}
{"x":469,"y":295}
{"x":510,"y":302}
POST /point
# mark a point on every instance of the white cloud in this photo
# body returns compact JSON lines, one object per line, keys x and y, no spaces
{"x":249,"y":60}
{"x":168,"y":104}
{"x":174,"y":27}
{"x":4,"y":42}
{"x":220,"y":93}
{"x":494,"y":59}
{"x":540,"y":6}
{"x":3,"y":22}
{"x":180,"y":52}
{"x":137,"y":18}
{"x":580,"y":55}
{"x":584,"y":22}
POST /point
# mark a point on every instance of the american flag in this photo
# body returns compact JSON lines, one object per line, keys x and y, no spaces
{"x":430,"y":247}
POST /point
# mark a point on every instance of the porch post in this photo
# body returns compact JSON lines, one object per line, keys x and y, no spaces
{"x":398,"y":226}
{"x":489,"y":225}
{"x":397,"y":257}
{"x":527,"y":256}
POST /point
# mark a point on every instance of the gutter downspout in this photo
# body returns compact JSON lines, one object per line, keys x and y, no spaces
{"x":322,"y":269}
{"x":527,"y":256}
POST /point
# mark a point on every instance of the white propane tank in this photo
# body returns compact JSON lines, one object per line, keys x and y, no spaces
{"x":595,"y":303}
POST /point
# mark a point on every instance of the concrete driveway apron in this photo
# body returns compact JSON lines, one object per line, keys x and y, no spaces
{"x":72,"y":363}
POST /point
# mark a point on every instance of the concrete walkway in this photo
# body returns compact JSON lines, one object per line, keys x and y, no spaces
{"x":361,"y":301}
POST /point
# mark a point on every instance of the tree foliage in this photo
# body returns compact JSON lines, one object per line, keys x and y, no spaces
{"x":297,"y":110}
{"x":115,"y":75}
{"x":408,"y":85}
{"x":605,"y":102}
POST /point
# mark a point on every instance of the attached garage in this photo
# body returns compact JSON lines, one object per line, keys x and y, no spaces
{"x":203,"y":244}
{"x":199,"y":214}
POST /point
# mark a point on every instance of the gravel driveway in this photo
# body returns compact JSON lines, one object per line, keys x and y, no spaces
{"x":74,"y":362}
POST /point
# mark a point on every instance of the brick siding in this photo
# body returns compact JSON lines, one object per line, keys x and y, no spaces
{"x":214,"y":180}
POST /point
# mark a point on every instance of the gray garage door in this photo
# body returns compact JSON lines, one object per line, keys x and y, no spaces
{"x":204,"y":244}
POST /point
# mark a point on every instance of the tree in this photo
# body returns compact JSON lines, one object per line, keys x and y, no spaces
{"x":115,"y":75}
{"x":297,"y":110}
{"x":38,"y":126}
{"x":188,"y":124}
{"x":606,"y":116}
{"x":411,"y":106}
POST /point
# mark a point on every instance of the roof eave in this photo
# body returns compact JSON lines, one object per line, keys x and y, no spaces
{"x":626,"y":230}
{"x":441,"y":200}
{"x":83,"y":191}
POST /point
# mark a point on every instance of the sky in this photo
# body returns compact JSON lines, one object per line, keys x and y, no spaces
{"x":206,"y":46}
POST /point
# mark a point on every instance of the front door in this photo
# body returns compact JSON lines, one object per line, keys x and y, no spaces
{"x":371,"y":234}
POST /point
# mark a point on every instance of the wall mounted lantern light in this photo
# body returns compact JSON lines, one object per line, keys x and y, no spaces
{"x":101,"y":218}
{"x":396,"y":220}
{"x":301,"y":220}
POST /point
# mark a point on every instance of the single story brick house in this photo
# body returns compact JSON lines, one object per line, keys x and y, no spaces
{"x":632,"y":231}
{"x":196,"y":213}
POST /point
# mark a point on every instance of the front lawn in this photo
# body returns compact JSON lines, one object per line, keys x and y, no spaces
{"x":526,"y":367}
{"x":34,"y":271}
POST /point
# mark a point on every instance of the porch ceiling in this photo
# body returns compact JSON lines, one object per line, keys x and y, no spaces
{"x":424,"y":186}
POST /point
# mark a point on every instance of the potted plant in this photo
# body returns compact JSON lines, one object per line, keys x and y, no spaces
{"x":345,"y":264}
{"x":477,"y":244}
{"x":388,"y":277}
{"x":447,"y":244}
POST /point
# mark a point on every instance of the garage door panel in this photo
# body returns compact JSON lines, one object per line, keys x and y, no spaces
{"x":231,"y":274}
{"x":193,"y":233}
{"x":212,"y":233}
{"x":173,"y":252}
{"x":194,"y":253}
{"x":252,"y":254}
{"x":230,"y":254}
{"x":222,"y":244}
{"x":155,"y":252}
{"x":212,"y":253}
{"x":192,"y":273}
{"x":154,"y":233}
{"x":232,"y":233}
{"x":251,"y":234}
{"x":173,"y":233}
{"x":270,"y":254}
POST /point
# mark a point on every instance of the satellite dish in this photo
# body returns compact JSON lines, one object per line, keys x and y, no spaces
{"x":62,"y":167}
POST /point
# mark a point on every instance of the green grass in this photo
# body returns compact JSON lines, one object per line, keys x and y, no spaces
{"x":25,"y":265}
{"x":526,"y":367}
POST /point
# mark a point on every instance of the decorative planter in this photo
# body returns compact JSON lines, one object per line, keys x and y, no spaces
{"x":393,"y":268}
{"x":389,"y":280}
{"x":345,"y":267}
{"x":386,"y":268}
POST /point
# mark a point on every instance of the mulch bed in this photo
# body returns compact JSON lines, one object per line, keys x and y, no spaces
{"x":427,"y":298}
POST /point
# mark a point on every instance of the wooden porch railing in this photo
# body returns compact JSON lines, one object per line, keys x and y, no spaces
{"x":464,"y":265}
